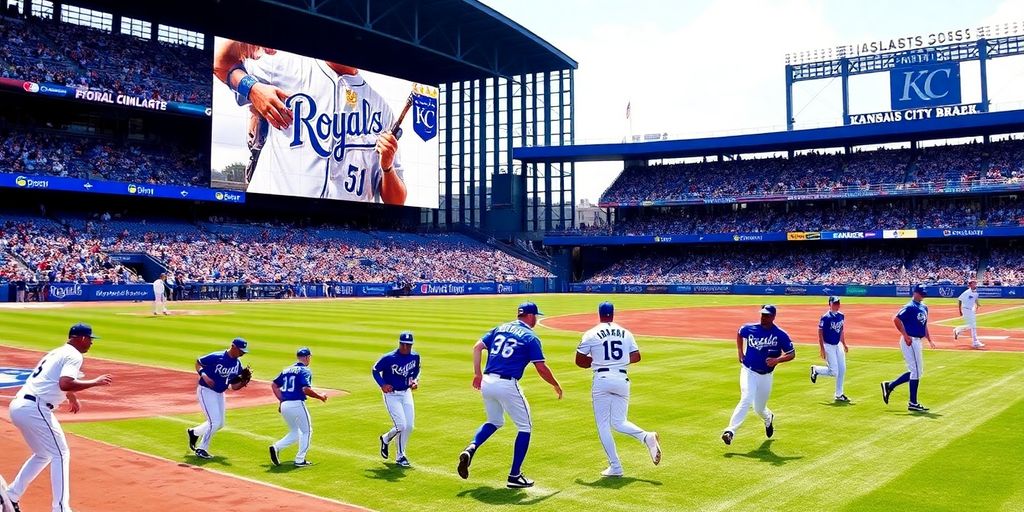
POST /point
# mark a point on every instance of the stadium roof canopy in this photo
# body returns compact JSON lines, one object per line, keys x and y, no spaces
{"x":426,"y":41}
{"x":838,"y":136}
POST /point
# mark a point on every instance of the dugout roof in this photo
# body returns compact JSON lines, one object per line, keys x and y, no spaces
{"x":427,"y":41}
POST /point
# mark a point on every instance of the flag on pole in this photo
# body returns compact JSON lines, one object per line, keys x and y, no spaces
{"x":628,"y":104}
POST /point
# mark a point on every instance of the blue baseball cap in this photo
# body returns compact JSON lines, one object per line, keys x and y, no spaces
{"x":405,"y":337}
{"x":920,"y":288}
{"x":81,"y":329}
{"x":606,"y":309}
{"x":241,"y":344}
{"x":768,"y":309}
{"x":529,"y":308}
{"x":833,"y":299}
{"x":303,"y":352}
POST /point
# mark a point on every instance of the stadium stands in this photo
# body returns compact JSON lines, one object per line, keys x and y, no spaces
{"x":1005,"y":268}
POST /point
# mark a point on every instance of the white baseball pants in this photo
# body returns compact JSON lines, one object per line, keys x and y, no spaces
{"x":913,"y":358}
{"x":754,"y":390}
{"x":610,"y":393}
{"x":212,"y":404}
{"x":300,"y":428}
{"x":971,"y":321}
{"x":504,"y":396}
{"x":45,"y":437}
{"x":835,"y":358}
{"x":160,"y":303}
{"x":403,"y":415}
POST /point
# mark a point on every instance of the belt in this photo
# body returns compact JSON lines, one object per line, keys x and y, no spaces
{"x":602,"y":370}
{"x":757,"y":371}
{"x":33,"y":399}
{"x":502,"y":377}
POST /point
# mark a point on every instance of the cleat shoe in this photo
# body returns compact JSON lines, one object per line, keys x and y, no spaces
{"x":977,"y":345}
{"x":956,"y":333}
{"x":383,"y":448}
{"x":465,"y":459}
{"x":916,"y":407}
{"x":769,"y":429}
{"x":885,"y":391}
{"x":203,"y":454}
{"x":842,"y":398}
{"x":192,"y":440}
{"x":814,"y":376}
{"x":611,"y":472}
{"x":519,"y":482}
{"x":303,"y":463}
{"x":273,"y":456}
{"x":653,"y":447}
{"x":404,"y":462}
{"x":727,"y":437}
{"x":6,"y":504}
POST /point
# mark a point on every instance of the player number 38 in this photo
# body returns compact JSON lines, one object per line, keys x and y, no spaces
{"x":504,"y":346}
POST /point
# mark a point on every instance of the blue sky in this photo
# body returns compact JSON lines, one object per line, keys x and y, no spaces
{"x":694,"y":68}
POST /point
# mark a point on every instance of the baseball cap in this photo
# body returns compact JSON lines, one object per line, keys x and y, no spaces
{"x":920,"y":288}
{"x":241,"y":344}
{"x":833,"y":299}
{"x":768,"y":309}
{"x":81,"y":329}
{"x":529,"y":308}
{"x":972,"y":280}
{"x":405,"y":337}
{"x":303,"y":352}
{"x":606,"y":309}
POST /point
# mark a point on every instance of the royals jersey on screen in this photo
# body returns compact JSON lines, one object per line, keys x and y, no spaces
{"x":510,"y":348}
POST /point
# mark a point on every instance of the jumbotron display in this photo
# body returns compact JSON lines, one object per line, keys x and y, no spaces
{"x":286,"y":124}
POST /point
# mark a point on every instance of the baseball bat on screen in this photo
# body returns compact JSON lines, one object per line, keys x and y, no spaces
{"x":396,"y":129}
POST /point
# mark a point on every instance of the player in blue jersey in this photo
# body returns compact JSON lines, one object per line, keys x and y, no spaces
{"x":831,"y":335}
{"x":766,"y":347}
{"x":217,"y":372}
{"x":397,"y":374}
{"x":912,"y":323}
{"x":291,"y":387}
{"x":510,"y":348}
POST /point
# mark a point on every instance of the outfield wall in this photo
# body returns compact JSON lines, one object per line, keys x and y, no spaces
{"x":850,"y":290}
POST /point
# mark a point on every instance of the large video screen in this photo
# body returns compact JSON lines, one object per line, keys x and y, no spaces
{"x":286,"y":124}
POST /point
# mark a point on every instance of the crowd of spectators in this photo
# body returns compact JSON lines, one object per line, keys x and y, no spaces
{"x":59,"y":254}
{"x":58,"y":154}
{"x":824,"y":266}
{"x":39,"y":50}
{"x":997,"y":162}
{"x":1005,"y":268}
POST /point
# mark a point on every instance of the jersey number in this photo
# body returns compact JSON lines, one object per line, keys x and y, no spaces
{"x":613,"y":350}
{"x":353,"y":184}
{"x":504,"y":346}
{"x":289,"y":384}
{"x":40,"y":369}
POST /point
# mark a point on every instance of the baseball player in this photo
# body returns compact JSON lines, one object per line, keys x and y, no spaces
{"x":57,"y":377}
{"x":766,"y":347}
{"x":291,"y":387}
{"x":968,"y":305}
{"x":830,"y":336}
{"x":218,"y":371}
{"x":329,"y":133}
{"x":160,"y":295}
{"x":609,"y":349}
{"x":912,"y":323}
{"x":397,"y":374}
{"x":510,"y":347}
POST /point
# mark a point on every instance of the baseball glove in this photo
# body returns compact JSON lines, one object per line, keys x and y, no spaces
{"x":243,"y":377}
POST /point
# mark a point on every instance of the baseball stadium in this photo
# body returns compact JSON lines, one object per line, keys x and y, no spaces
{"x":225,"y":222}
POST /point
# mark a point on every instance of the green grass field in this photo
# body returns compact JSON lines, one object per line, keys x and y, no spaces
{"x":964,"y":455}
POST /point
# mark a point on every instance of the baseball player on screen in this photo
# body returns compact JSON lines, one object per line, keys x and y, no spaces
{"x":912,"y":323}
{"x":397,"y":373}
{"x":510,"y":348}
{"x":329,"y":131}
{"x":55,"y":379}
{"x":160,"y":295}
{"x":609,"y":349}
{"x":831,"y":334}
{"x":968,"y":304}
{"x":291,"y":387}
{"x":217,"y":371}
{"x":766,"y":347}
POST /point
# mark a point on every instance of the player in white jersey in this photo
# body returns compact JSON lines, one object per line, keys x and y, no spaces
{"x":329,"y":134}
{"x":55,"y":379}
{"x":968,"y":305}
{"x":160,"y":295}
{"x":608,"y":348}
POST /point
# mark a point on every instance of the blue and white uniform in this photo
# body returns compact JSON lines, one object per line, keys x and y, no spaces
{"x":221,"y":368}
{"x":969,"y":306}
{"x":400,"y":371}
{"x":831,"y":329}
{"x":292,"y":382}
{"x":510,"y":348}
{"x":755,"y":374}
{"x":915,"y":321}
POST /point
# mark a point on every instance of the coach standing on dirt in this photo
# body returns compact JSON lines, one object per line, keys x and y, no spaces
{"x":55,"y":378}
